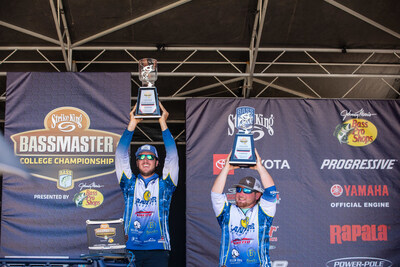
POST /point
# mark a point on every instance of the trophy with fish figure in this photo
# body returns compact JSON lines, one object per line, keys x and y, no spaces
{"x":147,"y":102}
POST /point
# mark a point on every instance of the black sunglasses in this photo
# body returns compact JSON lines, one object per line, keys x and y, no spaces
{"x":245,"y":190}
{"x":148,"y":156}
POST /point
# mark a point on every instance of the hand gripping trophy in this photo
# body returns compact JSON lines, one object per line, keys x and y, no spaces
{"x":147,"y":103}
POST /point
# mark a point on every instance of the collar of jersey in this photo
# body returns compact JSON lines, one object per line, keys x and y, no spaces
{"x":148,"y":180}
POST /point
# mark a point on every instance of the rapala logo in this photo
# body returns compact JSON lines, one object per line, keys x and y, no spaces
{"x":360,"y":190}
{"x":355,"y":233}
{"x":356,"y":132}
{"x":359,"y":262}
{"x":66,"y":149}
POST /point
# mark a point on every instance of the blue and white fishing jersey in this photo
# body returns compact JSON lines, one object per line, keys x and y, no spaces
{"x":147,"y":202}
{"x":245,"y":237}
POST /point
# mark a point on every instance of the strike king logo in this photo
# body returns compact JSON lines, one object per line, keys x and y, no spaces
{"x":356,"y":132}
{"x":66,"y":150}
{"x":261,"y":123}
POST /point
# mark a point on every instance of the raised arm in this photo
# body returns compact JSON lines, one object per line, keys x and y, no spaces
{"x":266,"y":178}
{"x":163,"y":119}
{"x":122,"y":159}
{"x":133,"y":122}
{"x":171,"y":164}
{"x":219,"y":183}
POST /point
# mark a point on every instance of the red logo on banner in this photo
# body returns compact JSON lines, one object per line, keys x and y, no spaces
{"x":353,"y":233}
{"x":272,"y":230}
{"x":360,"y":190}
{"x":219,"y":163}
{"x":336,"y":190}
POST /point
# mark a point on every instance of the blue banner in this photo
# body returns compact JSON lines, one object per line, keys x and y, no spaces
{"x":64,"y":128}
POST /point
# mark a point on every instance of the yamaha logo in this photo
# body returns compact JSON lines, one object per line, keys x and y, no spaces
{"x":336,"y":190}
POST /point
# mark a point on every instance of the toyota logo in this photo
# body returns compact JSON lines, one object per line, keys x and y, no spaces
{"x":220,"y":163}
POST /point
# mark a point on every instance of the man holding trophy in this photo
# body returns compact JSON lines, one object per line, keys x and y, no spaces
{"x":147,"y":195}
{"x":246,"y":224}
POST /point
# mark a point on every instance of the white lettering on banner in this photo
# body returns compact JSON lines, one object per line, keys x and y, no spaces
{"x":358,"y":164}
{"x":275,"y":164}
{"x":359,"y":262}
{"x":260,"y":123}
{"x":280,"y":264}
{"x":346,"y":204}
{"x":359,"y":205}
{"x":83,"y":186}
{"x":66,"y":123}
{"x":357,"y":114}
{"x":75,"y":144}
{"x":44,"y":196}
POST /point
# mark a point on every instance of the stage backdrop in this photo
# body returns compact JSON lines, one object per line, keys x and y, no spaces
{"x":336,"y":167}
{"x":64,"y":128}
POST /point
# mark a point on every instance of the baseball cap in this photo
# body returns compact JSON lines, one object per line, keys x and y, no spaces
{"x":250,"y":183}
{"x":146,"y":148}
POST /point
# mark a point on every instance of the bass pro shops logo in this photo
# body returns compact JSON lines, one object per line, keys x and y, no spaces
{"x":66,"y":150}
{"x":355,"y":132}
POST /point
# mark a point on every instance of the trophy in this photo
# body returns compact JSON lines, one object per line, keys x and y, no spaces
{"x":147,"y":103}
{"x":243,"y":153}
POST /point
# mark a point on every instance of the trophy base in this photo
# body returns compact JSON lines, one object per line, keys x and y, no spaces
{"x":147,"y":116}
{"x":242,"y":164}
{"x":243,"y":152}
{"x":147,"y":104}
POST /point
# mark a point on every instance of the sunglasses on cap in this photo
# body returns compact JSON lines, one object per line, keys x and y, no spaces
{"x":245,"y":190}
{"x":148,"y":156}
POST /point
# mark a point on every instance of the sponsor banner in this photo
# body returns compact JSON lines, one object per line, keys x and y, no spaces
{"x":64,"y":129}
{"x":335,"y":164}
